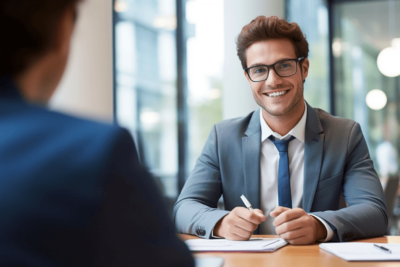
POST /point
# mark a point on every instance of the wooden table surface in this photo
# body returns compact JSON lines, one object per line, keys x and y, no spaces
{"x":289,"y":255}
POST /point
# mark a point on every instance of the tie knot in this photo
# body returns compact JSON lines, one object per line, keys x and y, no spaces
{"x":281,"y":145}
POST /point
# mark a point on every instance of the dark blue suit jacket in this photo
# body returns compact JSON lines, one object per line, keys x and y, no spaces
{"x":72,"y":193}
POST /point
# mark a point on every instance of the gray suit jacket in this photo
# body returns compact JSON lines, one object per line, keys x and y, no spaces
{"x":336,"y":162}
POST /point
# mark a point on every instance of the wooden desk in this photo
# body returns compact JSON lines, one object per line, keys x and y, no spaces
{"x":289,"y":255}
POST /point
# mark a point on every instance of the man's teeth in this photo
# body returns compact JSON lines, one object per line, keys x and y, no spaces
{"x":276,"y":94}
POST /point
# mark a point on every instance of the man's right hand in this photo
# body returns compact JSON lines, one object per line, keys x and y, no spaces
{"x":239,"y":224}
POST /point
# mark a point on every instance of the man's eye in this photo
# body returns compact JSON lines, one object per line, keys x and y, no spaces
{"x":259,"y":70}
{"x":285,"y":65}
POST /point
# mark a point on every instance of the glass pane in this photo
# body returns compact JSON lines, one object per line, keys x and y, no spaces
{"x":205,"y":50}
{"x":363,"y":90}
{"x":312,"y":17}
{"x":146,"y":83}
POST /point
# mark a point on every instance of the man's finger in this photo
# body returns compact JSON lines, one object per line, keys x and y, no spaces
{"x":291,"y":235}
{"x":246,"y":225}
{"x":289,"y":226}
{"x":277,"y":211}
{"x":288,"y":216}
{"x":302,"y":240}
{"x":261,"y":214}
{"x":235,"y":237}
{"x":242,"y":232}
{"x":250,"y":216}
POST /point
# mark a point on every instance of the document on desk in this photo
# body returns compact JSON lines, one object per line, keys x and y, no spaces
{"x":355,"y":251}
{"x":252,"y":245}
{"x":209,"y":262}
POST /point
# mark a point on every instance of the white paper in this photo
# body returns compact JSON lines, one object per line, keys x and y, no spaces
{"x":355,"y":251}
{"x":254,"y":244}
{"x":209,"y":262}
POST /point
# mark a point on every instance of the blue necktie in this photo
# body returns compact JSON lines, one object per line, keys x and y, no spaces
{"x":284,"y":193}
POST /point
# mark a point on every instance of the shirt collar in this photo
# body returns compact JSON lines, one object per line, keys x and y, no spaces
{"x":298,"y":131}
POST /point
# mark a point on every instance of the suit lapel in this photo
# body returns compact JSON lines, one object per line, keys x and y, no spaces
{"x":251,"y":149}
{"x":313,"y":151}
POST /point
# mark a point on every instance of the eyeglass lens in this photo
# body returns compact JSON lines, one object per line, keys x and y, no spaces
{"x":282,"y":68}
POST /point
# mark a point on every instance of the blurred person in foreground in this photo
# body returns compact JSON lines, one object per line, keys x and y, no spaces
{"x":293,"y":162}
{"x":72,"y":192}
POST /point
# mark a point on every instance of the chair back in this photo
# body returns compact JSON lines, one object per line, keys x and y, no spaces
{"x":390,"y":193}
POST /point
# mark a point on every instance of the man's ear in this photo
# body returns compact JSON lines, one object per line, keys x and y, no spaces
{"x":64,"y":29}
{"x":247,"y":77}
{"x":305,"y":65}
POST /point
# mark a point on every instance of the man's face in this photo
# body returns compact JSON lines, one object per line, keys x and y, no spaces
{"x":267,"y":53}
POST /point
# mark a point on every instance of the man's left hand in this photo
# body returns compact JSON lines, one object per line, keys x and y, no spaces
{"x":297,"y":227}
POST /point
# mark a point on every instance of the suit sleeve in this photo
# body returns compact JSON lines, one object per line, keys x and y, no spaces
{"x":133,"y":228}
{"x":366,"y":214}
{"x":196,"y":211}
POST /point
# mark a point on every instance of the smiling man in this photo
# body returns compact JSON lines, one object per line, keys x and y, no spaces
{"x":292,"y":162}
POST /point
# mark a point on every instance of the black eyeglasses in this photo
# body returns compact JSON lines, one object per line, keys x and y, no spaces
{"x":283,"y":68}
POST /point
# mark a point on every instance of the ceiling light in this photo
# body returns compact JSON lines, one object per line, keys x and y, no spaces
{"x":389,"y":61}
{"x":376,"y":99}
{"x":121,"y":6}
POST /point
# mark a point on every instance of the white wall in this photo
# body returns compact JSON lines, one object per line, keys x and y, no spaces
{"x":237,"y":98}
{"x":87,"y":86}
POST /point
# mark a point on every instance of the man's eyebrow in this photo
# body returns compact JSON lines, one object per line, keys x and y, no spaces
{"x":257,"y":64}
{"x":263,"y":64}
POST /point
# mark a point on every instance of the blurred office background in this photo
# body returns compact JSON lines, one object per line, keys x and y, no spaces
{"x":167,"y":70}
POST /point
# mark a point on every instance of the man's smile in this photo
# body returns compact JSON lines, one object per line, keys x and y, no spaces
{"x":277,"y":93}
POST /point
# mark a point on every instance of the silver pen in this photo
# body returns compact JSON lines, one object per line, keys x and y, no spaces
{"x":383,"y":248}
{"x":246,"y":203}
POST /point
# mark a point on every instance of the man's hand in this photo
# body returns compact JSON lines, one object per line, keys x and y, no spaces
{"x":297,"y":227}
{"x":239,"y":224}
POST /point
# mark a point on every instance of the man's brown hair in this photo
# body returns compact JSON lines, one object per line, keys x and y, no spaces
{"x":27,"y":29}
{"x":263,"y":28}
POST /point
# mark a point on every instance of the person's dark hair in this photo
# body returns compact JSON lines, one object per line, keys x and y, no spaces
{"x":27,"y":28}
{"x":263,"y":28}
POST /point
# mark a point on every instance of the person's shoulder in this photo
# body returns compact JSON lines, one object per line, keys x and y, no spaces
{"x":93,"y":133}
{"x":235,"y":125}
{"x":332,"y":123}
{"x":68,"y":131}
{"x":52,"y":144}
{"x":85,"y":125}
{"x":72,"y":123}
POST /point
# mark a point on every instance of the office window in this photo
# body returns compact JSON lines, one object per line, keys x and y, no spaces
{"x":169,"y":100}
{"x":366,"y":57}
{"x":145,"y":77}
{"x":362,"y":91}
{"x":205,"y":50}
{"x":312,"y":17}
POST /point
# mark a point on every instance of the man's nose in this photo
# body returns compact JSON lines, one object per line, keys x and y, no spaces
{"x":273,"y":78}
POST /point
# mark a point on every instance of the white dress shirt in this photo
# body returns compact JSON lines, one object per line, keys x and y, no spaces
{"x":269,"y":162}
